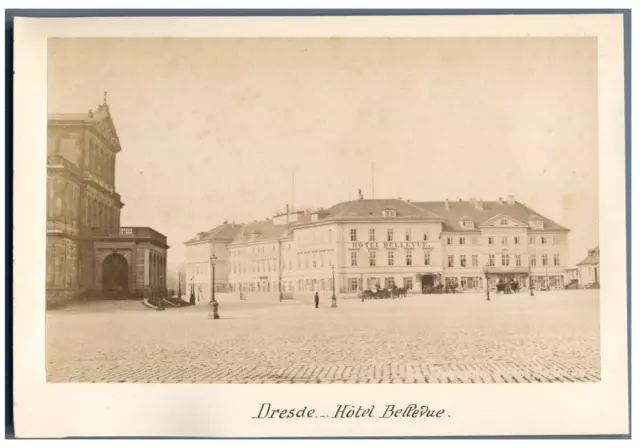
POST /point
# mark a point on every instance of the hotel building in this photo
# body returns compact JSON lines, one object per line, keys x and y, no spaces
{"x":417,"y":245}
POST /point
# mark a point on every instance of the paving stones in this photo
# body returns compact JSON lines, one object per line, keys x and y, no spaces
{"x":516,"y":338}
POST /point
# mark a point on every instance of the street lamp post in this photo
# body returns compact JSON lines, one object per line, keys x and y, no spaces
{"x":486,"y":279}
{"x":546,"y":275}
{"x":192,"y":296}
{"x":334,"y":301}
{"x":214,"y":303}
{"x":530,"y":283}
{"x":180,"y":285}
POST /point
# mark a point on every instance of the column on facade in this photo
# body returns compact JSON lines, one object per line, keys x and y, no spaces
{"x":154,"y":268}
{"x":113,"y":171}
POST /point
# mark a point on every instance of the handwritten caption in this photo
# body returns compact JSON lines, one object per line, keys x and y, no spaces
{"x":267,"y":411}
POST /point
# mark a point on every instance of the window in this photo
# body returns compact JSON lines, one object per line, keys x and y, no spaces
{"x":492,"y":260}
{"x":372,"y":258}
{"x":427,"y":258}
{"x":450,"y":261}
{"x":390,"y":258}
{"x":372,"y":234}
{"x":425,"y":236}
{"x":409,"y":258}
{"x":545,"y":260}
{"x":556,"y":259}
{"x":322,"y":260}
{"x":467,"y":223}
{"x":505,"y":241}
{"x":407,"y":282}
{"x":449,"y":241}
{"x":407,"y":235}
{"x":505,"y":259}
{"x":490,"y":240}
{"x":462,"y":240}
{"x":354,"y":258}
{"x":516,"y":240}
{"x":474,"y":240}
{"x":353,"y":284}
{"x":389,"y":234}
{"x":475,"y":282}
{"x":306,"y":261}
{"x":543,"y":240}
{"x":329,"y":236}
{"x":504,"y":222}
{"x":532,"y":260}
{"x":388,"y":282}
{"x":532,"y":240}
{"x":452,"y":281}
{"x":556,"y":240}
{"x":463,"y":261}
{"x":474,"y":261}
{"x":354,"y":235}
{"x":518,"y":260}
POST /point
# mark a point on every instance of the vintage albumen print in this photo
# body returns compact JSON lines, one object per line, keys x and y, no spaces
{"x":320,"y":226}
{"x":348,"y":210}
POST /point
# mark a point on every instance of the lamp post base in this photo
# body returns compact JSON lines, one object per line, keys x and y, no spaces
{"x":334,"y":302}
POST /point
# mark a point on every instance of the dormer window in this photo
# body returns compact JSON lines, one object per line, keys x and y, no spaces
{"x":536,"y":223}
{"x":388,"y":213}
{"x":466,"y":223}
{"x":504,"y":222}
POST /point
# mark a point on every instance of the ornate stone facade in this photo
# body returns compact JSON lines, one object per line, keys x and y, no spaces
{"x":88,"y":254}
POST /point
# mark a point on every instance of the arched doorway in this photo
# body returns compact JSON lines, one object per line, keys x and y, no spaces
{"x":427,"y":281}
{"x":115,"y":277}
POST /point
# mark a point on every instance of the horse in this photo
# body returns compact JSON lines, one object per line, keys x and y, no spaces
{"x":401,"y":292}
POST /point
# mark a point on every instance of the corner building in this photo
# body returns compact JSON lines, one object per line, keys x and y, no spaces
{"x":417,"y":245}
{"x":88,"y":253}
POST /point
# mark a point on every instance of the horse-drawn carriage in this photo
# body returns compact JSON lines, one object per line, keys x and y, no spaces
{"x":508,"y":287}
{"x":386,"y":293}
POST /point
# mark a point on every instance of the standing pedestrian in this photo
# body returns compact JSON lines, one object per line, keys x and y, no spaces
{"x":316,"y":299}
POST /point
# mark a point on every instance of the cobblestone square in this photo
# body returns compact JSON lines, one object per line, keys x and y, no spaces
{"x":453,"y":338}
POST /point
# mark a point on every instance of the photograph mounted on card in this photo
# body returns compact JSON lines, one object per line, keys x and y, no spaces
{"x":328,"y":227}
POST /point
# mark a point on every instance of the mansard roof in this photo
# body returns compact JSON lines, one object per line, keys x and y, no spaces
{"x":223,"y":232}
{"x":261,"y":230}
{"x":368,"y":208}
{"x":456,"y":210}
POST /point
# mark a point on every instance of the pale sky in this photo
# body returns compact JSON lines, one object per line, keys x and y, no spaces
{"x":211,"y":129}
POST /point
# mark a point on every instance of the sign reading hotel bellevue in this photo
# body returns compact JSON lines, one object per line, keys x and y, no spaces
{"x":392,"y":245}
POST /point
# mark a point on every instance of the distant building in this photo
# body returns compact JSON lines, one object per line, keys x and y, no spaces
{"x":198,"y":266}
{"x":88,"y":253}
{"x":589,"y":269}
{"x":417,"y":245}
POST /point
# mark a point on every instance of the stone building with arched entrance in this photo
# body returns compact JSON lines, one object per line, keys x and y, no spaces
{"x":89,"y":255}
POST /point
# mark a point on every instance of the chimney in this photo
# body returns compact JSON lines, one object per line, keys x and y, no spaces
{"x":511,"y":199}
{"x":478,"y":205}
{"x":446,"y":204}
{"x":472,"y":200}
{"x":500,"y":200}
